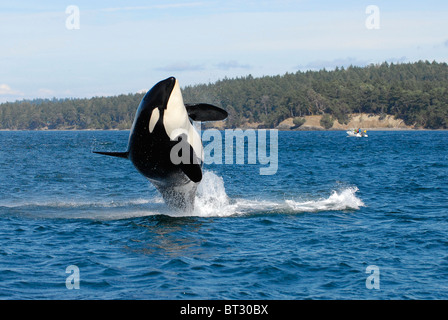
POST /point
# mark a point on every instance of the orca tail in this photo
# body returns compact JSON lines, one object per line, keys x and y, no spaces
{"x":124,"y":155}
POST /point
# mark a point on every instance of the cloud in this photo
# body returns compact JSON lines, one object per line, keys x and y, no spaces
{"x":45,"y":92}
{"x":6,"y":90}
{"x":232,"y":65}
{"x":402,"y":59}
{"x":346,"y":62}
{"x":181,"y":66}
{"x":160,"y":6}
{"x":330,"y":64}
{"x":446,"y":43}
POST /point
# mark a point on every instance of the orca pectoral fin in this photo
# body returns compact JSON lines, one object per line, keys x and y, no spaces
{"x":205,"y":112}
{"x":182,"y":154}
{"x":192,"y":171}
{"x":124,"y":155}
{"x":192,"y":168}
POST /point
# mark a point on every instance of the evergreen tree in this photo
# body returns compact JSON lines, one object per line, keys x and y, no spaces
{"x":415,"y":92}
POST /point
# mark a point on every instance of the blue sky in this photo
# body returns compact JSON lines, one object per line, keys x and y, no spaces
{"x":128,"y":46}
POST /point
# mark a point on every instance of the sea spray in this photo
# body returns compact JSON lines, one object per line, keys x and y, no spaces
{"x":211,"y":197}
{"x":213,"y":201}
{"x":342,"y":200}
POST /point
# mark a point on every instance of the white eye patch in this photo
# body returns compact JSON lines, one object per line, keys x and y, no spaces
{"x":154,"y":118}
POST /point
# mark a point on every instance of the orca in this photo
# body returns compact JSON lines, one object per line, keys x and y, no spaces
{"x":164,"y":146}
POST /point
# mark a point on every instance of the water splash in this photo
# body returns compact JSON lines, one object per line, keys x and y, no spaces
{"x":342,"y":200}
{"x":211,"y":201}
{"x":211,"y":197}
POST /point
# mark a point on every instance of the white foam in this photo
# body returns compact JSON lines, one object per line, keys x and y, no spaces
{"x":211,"y":201}
{"x":342,"y":200}
{"x":211,"y":197}
{"x":79,"y":204}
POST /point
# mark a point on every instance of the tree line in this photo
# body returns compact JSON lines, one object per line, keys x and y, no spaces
{"x":415,"y":92}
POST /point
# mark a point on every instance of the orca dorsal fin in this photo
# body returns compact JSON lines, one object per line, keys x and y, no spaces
{"x":124,"y":155}
{"x":205,"y":112}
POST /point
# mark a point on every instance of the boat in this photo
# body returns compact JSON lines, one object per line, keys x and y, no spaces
{"x":357,"y":133}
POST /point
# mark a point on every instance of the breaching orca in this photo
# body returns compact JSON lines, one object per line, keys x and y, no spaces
{"x":163,"y":144}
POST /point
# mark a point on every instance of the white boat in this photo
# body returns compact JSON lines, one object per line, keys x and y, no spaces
{"x":360,"y":134}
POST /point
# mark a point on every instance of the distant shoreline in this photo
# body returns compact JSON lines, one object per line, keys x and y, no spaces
{"x":221,"y":129}
{"x":365,"y":121}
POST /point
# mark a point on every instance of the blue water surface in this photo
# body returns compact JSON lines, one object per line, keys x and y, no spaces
{"x":335,"y":208}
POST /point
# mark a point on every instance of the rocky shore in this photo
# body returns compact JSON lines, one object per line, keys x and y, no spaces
{"x":363,"y":120}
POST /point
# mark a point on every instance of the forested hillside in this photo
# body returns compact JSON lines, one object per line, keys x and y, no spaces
{"x":415,"y":92}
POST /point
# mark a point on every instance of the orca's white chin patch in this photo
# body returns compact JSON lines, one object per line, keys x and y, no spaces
{"x":175,"y":115}
{"x":176,"y":121}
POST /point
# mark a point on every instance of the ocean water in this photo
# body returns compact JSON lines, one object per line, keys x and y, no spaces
{"x":342,"y":218}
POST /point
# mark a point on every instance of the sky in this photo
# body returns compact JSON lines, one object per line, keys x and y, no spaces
{"x":78,"y":48}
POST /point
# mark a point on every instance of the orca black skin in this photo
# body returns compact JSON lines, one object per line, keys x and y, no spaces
{"x":162,"y":133}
